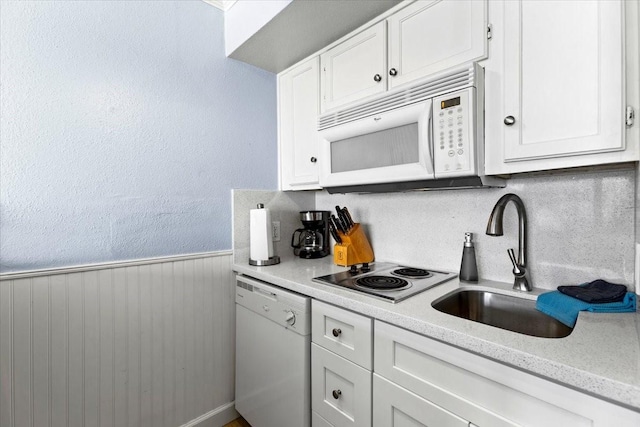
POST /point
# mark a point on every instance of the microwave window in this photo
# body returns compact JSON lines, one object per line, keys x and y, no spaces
{"x":389,"y":147}
{"x":449,"y":103}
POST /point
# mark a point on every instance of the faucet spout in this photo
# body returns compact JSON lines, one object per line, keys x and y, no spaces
{"x":494,"y":228}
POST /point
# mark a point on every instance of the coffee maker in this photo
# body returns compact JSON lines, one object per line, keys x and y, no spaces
{"x":312,"y":241}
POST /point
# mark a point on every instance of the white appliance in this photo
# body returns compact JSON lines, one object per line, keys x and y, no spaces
{"x":273,"y":355}
{"x":429,"y":135}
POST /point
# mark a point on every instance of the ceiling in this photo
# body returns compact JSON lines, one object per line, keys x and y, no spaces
{"x":221,"y":4}
{"x":304,"y":27}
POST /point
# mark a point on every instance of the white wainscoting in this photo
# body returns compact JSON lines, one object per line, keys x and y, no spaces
{"x":144,"y":343}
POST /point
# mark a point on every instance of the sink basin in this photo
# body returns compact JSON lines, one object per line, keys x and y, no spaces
{"x":502,"y":311}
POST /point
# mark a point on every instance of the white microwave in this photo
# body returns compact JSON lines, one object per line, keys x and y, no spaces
{"x":430,"y":135}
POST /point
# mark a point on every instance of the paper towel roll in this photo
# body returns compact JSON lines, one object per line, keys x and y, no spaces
{"x":261,"y":242}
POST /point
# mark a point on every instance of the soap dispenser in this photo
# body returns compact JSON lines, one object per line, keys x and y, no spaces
{"x":468,"y":267}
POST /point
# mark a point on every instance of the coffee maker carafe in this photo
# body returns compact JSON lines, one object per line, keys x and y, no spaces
{"x":312,"y":241}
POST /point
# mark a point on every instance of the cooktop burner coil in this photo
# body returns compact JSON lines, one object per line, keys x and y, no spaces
{"x":411,"y":272}
{"x":386,"y":281}
{"x":382,"y":283}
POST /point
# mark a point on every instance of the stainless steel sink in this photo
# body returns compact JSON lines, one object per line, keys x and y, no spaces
{"x":502,"y":311}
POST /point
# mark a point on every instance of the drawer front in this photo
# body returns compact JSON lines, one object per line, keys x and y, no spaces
{"x":394,"y":406}
{"x":340,"y":390}
{"x":318,"y":421}
{"x":463,"y":383}
{"x":343,"y":332}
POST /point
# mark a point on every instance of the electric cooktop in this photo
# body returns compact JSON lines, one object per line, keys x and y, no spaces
{"x":387,"y":281}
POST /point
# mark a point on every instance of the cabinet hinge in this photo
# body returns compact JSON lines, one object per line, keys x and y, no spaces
{"x":630,"y":114}
{"x":489,"y":32}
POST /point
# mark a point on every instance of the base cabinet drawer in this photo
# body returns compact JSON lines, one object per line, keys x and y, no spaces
{"x":340,"y":389}
{"x":394,"y":406}
{"x":318,"y":421}
{"x":343,"y":332}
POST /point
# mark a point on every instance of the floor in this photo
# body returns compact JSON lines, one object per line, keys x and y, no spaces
{"x":238,"y":422}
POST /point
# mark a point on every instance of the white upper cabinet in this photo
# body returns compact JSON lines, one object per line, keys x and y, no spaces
{"x":430,"y":36}
{"x":298,"y":98}
{"x":424,"y":38}
{"x":356,"y":68}
{"x":555,"y":85}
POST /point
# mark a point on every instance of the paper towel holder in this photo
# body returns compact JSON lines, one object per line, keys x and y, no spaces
{"x":273,"y":260}
{"x":261,"y":263}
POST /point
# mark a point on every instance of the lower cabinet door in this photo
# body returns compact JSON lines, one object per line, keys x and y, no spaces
{"x":340,"y":389}
{"x":394,"y":406}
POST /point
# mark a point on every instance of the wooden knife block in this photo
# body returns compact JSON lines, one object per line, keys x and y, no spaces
{"x":354,"y":249}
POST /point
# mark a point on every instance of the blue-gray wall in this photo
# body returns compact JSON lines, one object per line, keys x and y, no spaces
{"x":123,"y":128}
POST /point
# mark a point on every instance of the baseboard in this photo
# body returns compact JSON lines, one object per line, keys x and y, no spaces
{"x":215,"y":418}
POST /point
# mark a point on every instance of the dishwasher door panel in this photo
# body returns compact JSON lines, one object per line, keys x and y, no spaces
{"x":272,"y":380}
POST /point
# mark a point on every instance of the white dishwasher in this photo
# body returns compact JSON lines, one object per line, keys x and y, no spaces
{"x":273,"y":356}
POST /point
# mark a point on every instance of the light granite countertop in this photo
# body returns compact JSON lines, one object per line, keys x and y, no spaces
{"x":601,"y":356}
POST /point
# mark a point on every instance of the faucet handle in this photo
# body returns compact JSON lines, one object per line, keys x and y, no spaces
{"x":520,"y":281}
{"x":517,"y":269}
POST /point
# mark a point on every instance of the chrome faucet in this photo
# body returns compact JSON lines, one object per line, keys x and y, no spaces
{"x":494,"y":228}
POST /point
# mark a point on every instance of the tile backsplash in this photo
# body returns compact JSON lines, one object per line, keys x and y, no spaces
{"x":581,"y":225}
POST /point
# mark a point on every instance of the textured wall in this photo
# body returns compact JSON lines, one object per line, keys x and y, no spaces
{"x":580,"y":226}
{"x":123,"y":128}
{"x":637,"y":230}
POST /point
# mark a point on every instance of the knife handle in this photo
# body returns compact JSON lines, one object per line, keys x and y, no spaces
{"x":336,"y":224}
{"x":341,"y":224}
{"x":334,"y":233}
{"x":348,"y":217}
{"x":343,"y":220}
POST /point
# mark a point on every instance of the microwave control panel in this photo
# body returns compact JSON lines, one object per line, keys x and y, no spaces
{"x":454,"y":134}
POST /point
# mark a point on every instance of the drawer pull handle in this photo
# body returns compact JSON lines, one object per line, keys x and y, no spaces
{"x":336,"y":332}
{"x":336,"y":394}
{"x":509,"y":120}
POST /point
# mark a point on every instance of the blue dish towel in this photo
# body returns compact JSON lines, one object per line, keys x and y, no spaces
{"x":565,"y":308}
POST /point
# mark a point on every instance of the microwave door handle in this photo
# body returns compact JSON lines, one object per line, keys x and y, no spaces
{"x":428,"y":129}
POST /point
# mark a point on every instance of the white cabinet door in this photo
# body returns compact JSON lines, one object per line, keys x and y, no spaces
{"x":355,"y":69}
{"x":431,"y":36}
{"x":298,"y":98}
{"x":394,"y":406}
{"x":483,"y":391}
{"x":555,"y":84}
{"x":340,"y":390}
